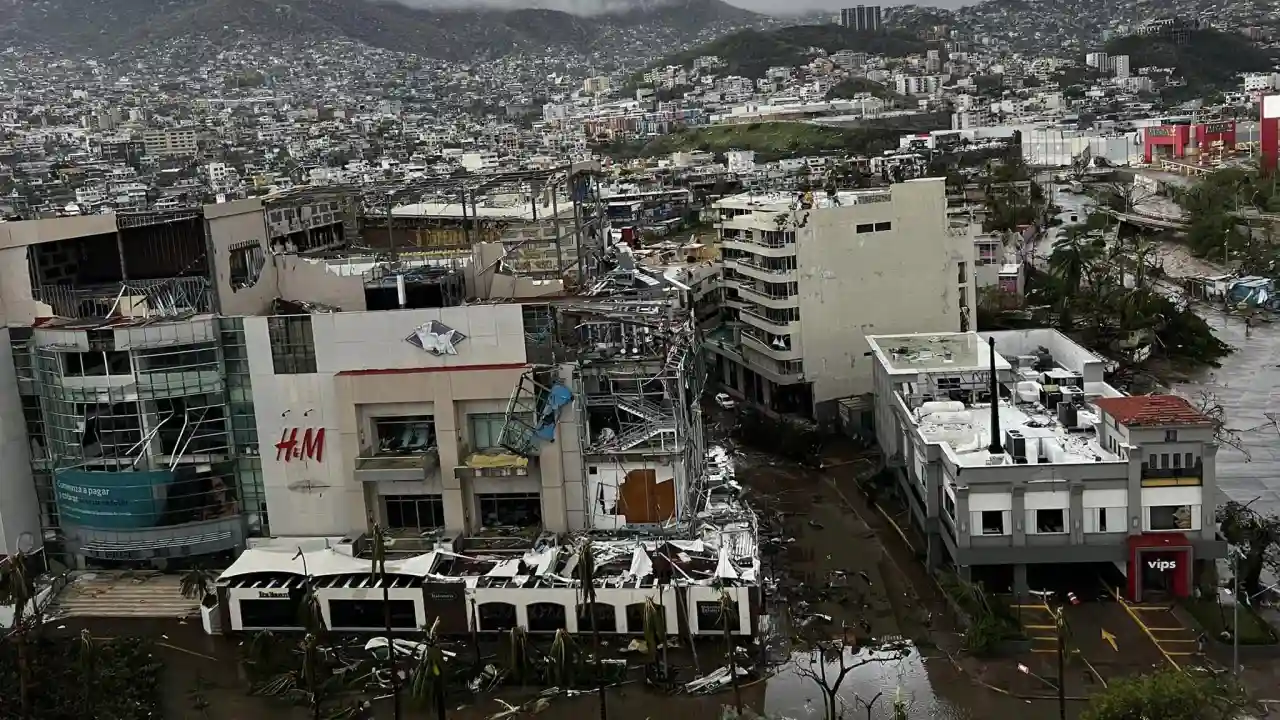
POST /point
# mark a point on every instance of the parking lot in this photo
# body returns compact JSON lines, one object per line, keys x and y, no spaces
{"x":1104,"y":640}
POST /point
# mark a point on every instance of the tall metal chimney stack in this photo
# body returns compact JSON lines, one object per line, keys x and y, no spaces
{"x":995,"y":448}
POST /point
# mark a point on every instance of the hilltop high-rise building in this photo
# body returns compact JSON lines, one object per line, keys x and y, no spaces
{"x":865,"y":18}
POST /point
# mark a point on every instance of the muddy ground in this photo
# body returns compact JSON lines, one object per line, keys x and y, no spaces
{"x":838,"y":558}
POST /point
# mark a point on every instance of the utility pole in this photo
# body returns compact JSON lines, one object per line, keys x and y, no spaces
{"x":1235,"y":613}
{"x":1060,"y":623}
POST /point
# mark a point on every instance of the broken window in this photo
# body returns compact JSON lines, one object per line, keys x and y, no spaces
{"x":546,"y":617}
{"x":246,"y":263}
{"x":293,"y":347}
{"x":635,"y":618}
{"x":992,"y":522}
{"x":406,"y":435}
{"x":109,"y":431}
{"x":496,"y":616}
{"x":1172,"y":517}
{"x":1051,"y":520}
{"x":606,"y":620}
{"x":414,"y":512}
{"x":715,"y":615}
{"x":95,"y":363}
{"x":510,"y":509}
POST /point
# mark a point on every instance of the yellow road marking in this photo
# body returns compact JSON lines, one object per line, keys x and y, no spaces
{"x":1174,"y":640}
{"x":1042,"y":650}
{"x":1145,"y":629}
{"x":1041,"y":627}
{"x":1179,"y":653}
{"x":1166,"y":629}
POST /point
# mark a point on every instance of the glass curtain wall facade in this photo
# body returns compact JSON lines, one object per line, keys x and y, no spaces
{"x":143,"y":442}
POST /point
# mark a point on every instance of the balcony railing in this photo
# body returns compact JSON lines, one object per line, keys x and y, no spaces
{"x":774,"y":326}
{"x":769,"y":300}
{"x":1193,"y":475}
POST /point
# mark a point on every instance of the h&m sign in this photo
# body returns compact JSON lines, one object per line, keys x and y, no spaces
{"x":1162,"y":564}
{"x":309,"y":447}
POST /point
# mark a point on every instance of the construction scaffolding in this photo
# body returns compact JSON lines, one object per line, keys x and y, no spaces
{"x":550,"y":223}
{"x":623,"y":354}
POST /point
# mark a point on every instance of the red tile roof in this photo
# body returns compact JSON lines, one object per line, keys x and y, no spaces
{"x":1152,"y":411}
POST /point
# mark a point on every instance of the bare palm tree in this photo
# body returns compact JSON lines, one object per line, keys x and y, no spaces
{"x":587,"y":576}
{"x":380,"y":542}
{"x":17,"y":589}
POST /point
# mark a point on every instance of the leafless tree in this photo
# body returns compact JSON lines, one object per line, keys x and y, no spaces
{"x":830,"y":660}
{"x":1208,"y":405}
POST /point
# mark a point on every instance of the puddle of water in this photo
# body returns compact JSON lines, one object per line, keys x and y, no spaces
{"x":793,"y":694}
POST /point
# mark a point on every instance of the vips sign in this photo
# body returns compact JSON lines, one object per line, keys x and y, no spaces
{"x":1160,"y":131}
{"x":1217,"y":128}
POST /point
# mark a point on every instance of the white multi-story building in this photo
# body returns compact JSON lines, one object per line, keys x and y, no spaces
{"x":917,"y":84}
{"x":1017,"y":459}
{"x":806,"y":280}
{"x":1120,"y":66}
{"x":1099,"y":60}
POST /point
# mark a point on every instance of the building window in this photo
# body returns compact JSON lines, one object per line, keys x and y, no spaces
{"x":962,"y":272}
{"x":369,"y":614}
{"x":1170,"y":517}
{"x":486,"y":430}
{"x":993,"y":522}
{"x":949,"y":504}
{"x":715,"y":615}
{"x":293,"y":347}
{"x":407,"y":435}
{"x":883,"y":227}
{"x":246,"y":262}
{"x":1105,"y":520}
{"x":1189,"y":460}
{"x":1051,"y":521}
{"x":1177,"y":461}
{"x":510,"y":509}
{"x":496,"y":616}
{"x":414,"y":512}
{"x":546,"y":617}
{"x":865,"y":228}
{"x":1171,"y":436}
{"x":606,"y":618}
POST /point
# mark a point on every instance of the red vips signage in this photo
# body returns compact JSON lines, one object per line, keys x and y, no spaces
{"x":309,"y":447}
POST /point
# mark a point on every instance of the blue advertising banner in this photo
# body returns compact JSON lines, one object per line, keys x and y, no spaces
{"x":111,"y":500}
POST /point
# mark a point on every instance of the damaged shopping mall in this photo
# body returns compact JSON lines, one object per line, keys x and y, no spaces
{"x":471,"y":363}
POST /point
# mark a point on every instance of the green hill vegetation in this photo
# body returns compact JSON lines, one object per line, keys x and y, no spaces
{"x":851,"y":87}
{"x":750,"y":53}
{"x":1207,"y":60}
{"x":770,"y":141}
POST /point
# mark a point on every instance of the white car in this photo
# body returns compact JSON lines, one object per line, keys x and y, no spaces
{"x":724,"y":401}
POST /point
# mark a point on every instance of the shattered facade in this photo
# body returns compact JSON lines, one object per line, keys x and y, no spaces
{"x":274,"y":368}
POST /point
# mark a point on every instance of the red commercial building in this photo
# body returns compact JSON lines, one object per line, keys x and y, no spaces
{"x":1269,"y":132}
{"x":1172,"y":140}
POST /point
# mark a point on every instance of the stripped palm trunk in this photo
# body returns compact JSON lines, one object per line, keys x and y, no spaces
{"x":587,"y":575}
{"x":728,"y":608}
{"x":380,"y":572}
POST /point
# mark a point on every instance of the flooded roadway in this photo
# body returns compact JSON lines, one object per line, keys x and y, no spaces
{"x":1247,"y":384}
